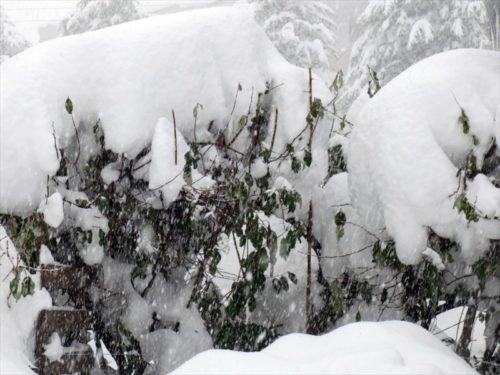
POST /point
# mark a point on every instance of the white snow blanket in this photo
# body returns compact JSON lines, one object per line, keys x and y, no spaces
{"x":407,"y":146}
{"x":360,"y":348}
{"x":129,"y":76}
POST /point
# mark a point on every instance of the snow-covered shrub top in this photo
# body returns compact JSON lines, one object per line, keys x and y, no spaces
{"x":138,"y":72}
{"x":360,"y":348}
{"x":416,"y":149}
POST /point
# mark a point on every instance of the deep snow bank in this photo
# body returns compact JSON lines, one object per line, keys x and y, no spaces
{"x":129,"y":76}
{"x":360,"y":348}
{"x":408,"y":145}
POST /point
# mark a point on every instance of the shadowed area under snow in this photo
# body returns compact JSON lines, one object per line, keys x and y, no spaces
{"x":360,"y":348}
{"x":136,"y":73}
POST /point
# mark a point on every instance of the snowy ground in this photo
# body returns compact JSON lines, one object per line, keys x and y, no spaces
{"x":359,"y":348}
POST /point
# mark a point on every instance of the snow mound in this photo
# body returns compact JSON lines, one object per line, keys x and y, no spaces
{"x":52,"y":209}
{"x":390,"y":347}
{"x":137,"y":73}
{"x":409,"y":145}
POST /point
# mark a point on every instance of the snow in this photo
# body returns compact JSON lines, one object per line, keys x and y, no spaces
{"x":169,"y":347}
{"x":421,"y":32}
{"x":52,"y":210}
{"x":360,"y":348}
{"x":54,"y":350}
{"x":287,"y":307}
{"x":485,"y":196}
{"x":166,"y":347}
{"x":407,"y":145}
{"x":137,"y":73}
{"x":434,"y":257}
{"x":449,"y":325}
{"x":110,"y":173}
{"x":167,"y":160}
{"x":46,"y":256}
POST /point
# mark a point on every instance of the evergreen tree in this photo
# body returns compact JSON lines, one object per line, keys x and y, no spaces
{"x":97,"y":14}
{"x":399,"y":33}
{"x":11,"y":41}
{"x":302,"y":31}
{"x":493,"y":10}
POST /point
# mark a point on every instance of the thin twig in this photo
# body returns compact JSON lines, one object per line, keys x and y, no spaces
{"x":175,"y":136}
{"x":77,"y":140}
{"x":274,"y":130}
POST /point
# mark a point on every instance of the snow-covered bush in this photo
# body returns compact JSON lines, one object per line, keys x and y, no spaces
{"x":423,"y":162}
{"x":207,"y":176}
{"x":159,"y":202}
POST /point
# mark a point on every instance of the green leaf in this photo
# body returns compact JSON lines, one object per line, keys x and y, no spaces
{"x":342,"y":123}
{"x":243,"y":121}
{"x":336,"y":307}
{"x":358,"y":316}
{"x":340,"y":218}
{"x":277,"y":285}
{"x":285,"y":247}
{"x":69,"y":106}
{"x":284,"y":283}
{"x":195,"y":109}
{"x":317,"y":110}
{"x":373,"y":83}
{"x":464,"y":121}
{"x":383,"y":296}
{"x":307,"y":158}
{"x":462,"y":204}
{"x":188,"y":178}
{"x":475,"y":140}
{"x":296,"y":165}
{"x":28,"y":287}
{"x":102,"y":237}
{"x":82,"y":203}
{"x":338,"y":81}
{"x":14,"y":286}
{"x":272,"y":243}
{"x":215,"y":261}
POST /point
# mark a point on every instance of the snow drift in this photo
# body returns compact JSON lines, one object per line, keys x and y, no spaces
{"x":408,"y":148}
{"x":360,"y":348}
{"x":129,"y":76}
